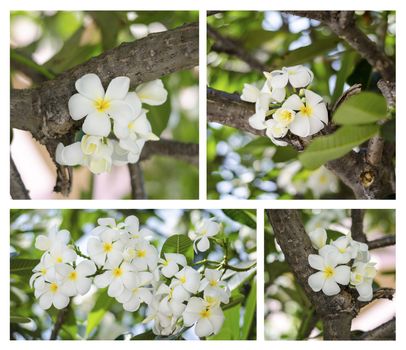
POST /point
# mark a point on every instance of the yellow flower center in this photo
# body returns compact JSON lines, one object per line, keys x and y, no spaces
{"x":328,"y":272}
{"x":141,"y":253}
{"x":306,"y":111}
{"x":53,"y":287}
{"x":165,"y":263}
{"x":43,"y":272}
{"x":323,"y":179}
{"x":205,"y":313}
{"x":101,"y":104}
{"x":182,"y":279}
{"x":73,"y":276}
{"x":341,"y":250}
{"x":213,"y":283}
{"x":59,"y":259}
{"x":358,"y":278}
{"x":117,"y":272}
{"x":107,"y":247}
{"x":286,"y":116}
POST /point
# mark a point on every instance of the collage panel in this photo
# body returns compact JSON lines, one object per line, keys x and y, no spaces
{"x":301,"y":104}
{"x":103,"y":103}
{"x":330,"y":274}
{"x":125,"y":274}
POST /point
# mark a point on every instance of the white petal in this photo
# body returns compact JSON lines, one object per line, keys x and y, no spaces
{"x":316,"y":281}
{"x":135,"y":103}
{"x":316,"y":261}
{"x":97,"y":124}
{"x":45,"y":301}
{"x":216,"y":319}
{"x":170,"y":270}
{"x":86,"y":268}
{"x":69,"y":288}
{"x":42,"y":242}
{"x":278,"y":79}
{"x":118,"y":88}
{"x":83,"y":285}
{"x":365,"y":290}
{"x":132,"y":305}
{"x":103,"y":280}
{"x":80,"y":106}
{"x":250,"y":93}
{"x":342,"y":274}
{"x":315,"y":125}
{"x":302,"y":78}
{"x":262,"y":103}
{"x":293,"y":102}
{"x":300,"y":125}
{"x":189,"y":318}
{"x":70,"y":155}
{"x":203,"y":328}
{"x":120,"y":110}
{"x":312,"y":99}
{"x":257,"y":121}
{"x":90,"y":86}
{"x":115,"y":288}
{"x":203,"y":244}
{"x":63,"y":236}
{"x":320,"y":112}
{"x":152,"y":93}
{"x":278,"y":94}
{"x":331,"y":287}
{"x":60,"y":301}
{"x":107,"y":222}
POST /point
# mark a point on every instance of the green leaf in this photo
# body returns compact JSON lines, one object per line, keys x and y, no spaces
{"x":231,"y":326}
{"x":103,"y":303}
{"x":333,"y":235}
{"x":149,"y":335}
{"x":110,"y":24}
{"x":22,"y":266}
{"x":158,"y":116}
{"x":19,"y":319}
{"x":326,"y":148}
{"x":364,"y":108}
{"x":347,"y":66}
{"x":283,"y":154}
{"x":388,"y":130}
{"x":242,"y":216}
{"x":179,"y":244}
{"x":250,"y":309}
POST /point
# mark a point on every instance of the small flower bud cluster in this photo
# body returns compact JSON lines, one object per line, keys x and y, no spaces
{"x":303,"y":113}
{"x":121,"y":258}
{"x":344,"y":261}
{"x":115,"y":126}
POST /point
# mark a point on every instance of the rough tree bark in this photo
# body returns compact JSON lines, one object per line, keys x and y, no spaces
{"x":370,"y":174}
{"x":43,"y":111}
{"x":336,"y":312}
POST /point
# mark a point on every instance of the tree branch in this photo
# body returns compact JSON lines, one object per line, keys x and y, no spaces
{"x":357,"y":225}
{"x":336,"y":312}
{"x":59,"y":323}
{"x":386,"y":331}
{"x":231,"y":47}
{"x":137,"y":181}
{"x":342,"y":23}
{"x":17,"y":187}
{"x":188,"y":152}
{"x":382,"y":242}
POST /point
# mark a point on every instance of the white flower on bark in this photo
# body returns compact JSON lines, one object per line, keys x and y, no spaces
{"x":297,"y":76}
{"x":362,"y":277}
{"x":205,"y":229}
{"x":208,"y":320}
{"x":318,"y":238}
{"x":329,"y":275}
{"x":152,"y":93}
{"x":341,"y":247}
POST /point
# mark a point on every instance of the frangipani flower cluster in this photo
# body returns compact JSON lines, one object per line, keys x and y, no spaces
{"x":342,"y":262}
{"x":121,"y":258}
{"x":279,"y":108}
{"x":115,"y":124}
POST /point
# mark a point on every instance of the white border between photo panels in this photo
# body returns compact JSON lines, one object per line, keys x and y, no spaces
{"x":202,"y":5}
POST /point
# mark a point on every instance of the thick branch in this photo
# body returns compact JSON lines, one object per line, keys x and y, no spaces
{"x":60,"y":319}
{"x":231,"y":47}
{"x":17,"y":187}
{"x":137,"y":181}
{"x":357,"y":225}
{"x":188,"y":152}
{"x":44,"y":110}
{"x":386,"y":331}
{"x":337,"y":311}
{"x":382,"y":242}
{"x":343,"y":24}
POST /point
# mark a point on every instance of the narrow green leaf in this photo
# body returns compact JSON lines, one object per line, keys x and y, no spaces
{"x":103,"y":303}
{"x":149,"y":335}
{"x":283,"y":154}
{"x":179,"y":244}
{"x":364,"y":108}
{"x":158,"y":116}
{"x":19,"y":319}
{"x":241,"y":216}
{"x":250,"y":308}
{"x":326,"y":148}
{"x":22,"y":266}
{"x":347,"y":66}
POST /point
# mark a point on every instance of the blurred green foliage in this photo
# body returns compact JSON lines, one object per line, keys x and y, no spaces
{"x":285,"y":299}
{"x":45,"y":44}
{"x":97,"y":316}
{"x":246,"y":167}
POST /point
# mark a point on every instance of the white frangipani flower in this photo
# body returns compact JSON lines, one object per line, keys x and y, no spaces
{"x":318,"y":238}
{"x":208,"y":320}
{"x":329,"y":274}
{"x":61,"y":254}
{"x":98,"y":106}
{"x":76,"y":280}
{"x":341,"y":247}
{"x":322,"y":181}
{"x":116,"y":277}
{"x":105,"y":247}
{"x":205,"y":229}
{"x":152,"y":93}
{"x":311,"y":114}
{"x":360,"y":251}
{"x":189,"y":279}
{"x":362,"y":277}
{"x":43,"y":271}
{"x":45,"y":243}
{"x":135,"y":292}
{"x":213,"y":286}
{"x":50,"y":293}
{"x":297,"y":76}
{"x":170,"y":265}
{"x":142,"y":255}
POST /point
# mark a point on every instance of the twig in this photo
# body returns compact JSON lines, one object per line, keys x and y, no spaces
{"x":357,"y":227}
{"x":59,"y":323}
{"x":386,"y":331}
{"x":231,"y":47}
{"x":17,"y":187}
{"x":382,"y":242}
{"x":137,"y":181}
